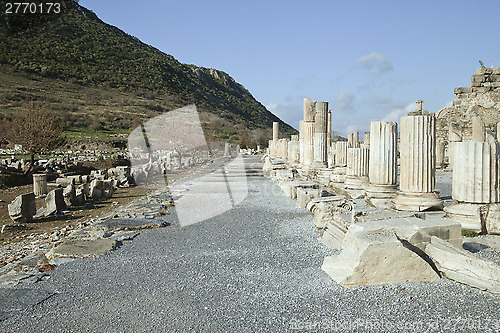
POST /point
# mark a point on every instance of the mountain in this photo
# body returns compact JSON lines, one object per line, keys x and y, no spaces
{"x":120,"y":78}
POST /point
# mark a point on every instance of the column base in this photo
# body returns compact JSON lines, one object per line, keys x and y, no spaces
{"x":356,"y":182}
{"x":381,"y":196}
{"x":338,"y":174}
{"x":469,"y":216}
{"x":319,"y":165}
{"x":417,"y":201}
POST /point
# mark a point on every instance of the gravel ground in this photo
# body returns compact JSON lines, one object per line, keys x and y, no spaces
{"x":255,"y":268}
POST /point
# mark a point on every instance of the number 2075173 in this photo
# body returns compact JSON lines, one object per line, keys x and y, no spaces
{"x":32,"y":8}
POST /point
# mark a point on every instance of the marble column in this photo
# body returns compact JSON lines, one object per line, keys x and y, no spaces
{"x":357,"y":168}
{"x":454,"y":135}
{"x":320,"y":135}
{"x":383,"y":163}
{"x":353,"y":139}
{"x":439,"y":154}
{"x":301,"y":142}
{"x":308,"y":128}
{"x":283,"y":148}
{"x":227,"y":149}
{"x":476,"y":185}
{"x":498,"y":132}
{"x":329,"y":130}
{"x":293,"y":150}
{"x":276,"y":131}
{"x":40,"y":184}
{"x":418,"y":164}
{"x":341,"y":153}
{"x":366,"y":140}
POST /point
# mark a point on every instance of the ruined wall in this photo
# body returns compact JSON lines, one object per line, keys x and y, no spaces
{"x":481,"y":98}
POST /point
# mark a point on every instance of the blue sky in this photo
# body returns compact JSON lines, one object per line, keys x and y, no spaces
{"x":371,"y":60}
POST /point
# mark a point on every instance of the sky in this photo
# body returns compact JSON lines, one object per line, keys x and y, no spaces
{"x":371,"y":60}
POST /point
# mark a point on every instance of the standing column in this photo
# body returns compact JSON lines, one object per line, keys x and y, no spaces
{"x":40,"y":184}
{"x":293,"y":150}
{"x":308,"y":127}
{"x":329,"y":130}
{"x":454,"y":135}
{"x":383,"y":163}
{"x":274,"y":146}
{"x":418,"y":164}
{"x":301,"y":142}
{"x":341,"y":153}
{"x":476,"y":187}
{"x":366,"y":140}
{"x":357,"y":168}
{"x":227,"y":149}
{"x":353,"y":139}
{"x":439,"y":154}
{"x":320,"y":135}
{"x":283,"y":148}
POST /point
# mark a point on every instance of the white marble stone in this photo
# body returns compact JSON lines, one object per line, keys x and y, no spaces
{"x":357,"y":168}
{"x":383,"y":163}
{"x":341,"y":153}
{"x":353,"y":139}
{"x":418,"y":164}
{"x":320,"y":135}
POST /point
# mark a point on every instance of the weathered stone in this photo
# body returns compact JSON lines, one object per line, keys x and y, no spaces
{"x":55,"y":202}
{"x":13,"y":227}
{"x":23,"y":208}
{"x":320,"y":135}
{"x":439,"y":154}
{"x":65,"y":181}
{"x":69,"y":194}
{"x":388,"y":251}
{"x":418,"y":164}
{"x":341,"y":153}
{"x":39,"y":184}
{"x":304,"y":195}
{"x":82,"y":248}
{"x":462,"y":266}
{"x":357,"y":168}
{"x":353,"y":139}
{"x":382,"y":163}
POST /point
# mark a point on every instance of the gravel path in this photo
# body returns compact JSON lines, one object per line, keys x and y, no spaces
{"x":255,"y":268}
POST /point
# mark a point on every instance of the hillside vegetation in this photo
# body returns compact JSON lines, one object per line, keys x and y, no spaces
{"x":104,"y":81}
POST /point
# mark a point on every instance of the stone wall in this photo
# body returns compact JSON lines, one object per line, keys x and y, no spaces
{"x":481,"y":98}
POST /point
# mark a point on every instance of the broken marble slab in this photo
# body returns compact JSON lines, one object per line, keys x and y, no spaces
{"x":82,"y":248}
{"x":460,"y":265}
{"x":389,"y":251}
{"x":126,"y":224}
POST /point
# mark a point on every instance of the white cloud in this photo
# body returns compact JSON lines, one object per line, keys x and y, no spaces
{"x":375,"y":63}
{"x":344,"y":101}
{"x":396,"y":113}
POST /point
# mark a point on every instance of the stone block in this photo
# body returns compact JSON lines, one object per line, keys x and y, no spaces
{"x":478,"y":78}
{"x":69,"y":194}
{"x":82,"y":248}
{"x":65,"y":181}
{"x":55,"y":202}
{"x":462,"y":90}
{"x":23,"y":208}
{"x":460,"y":265}
{"x":389,"y":251}
{"x":304,"y":195}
